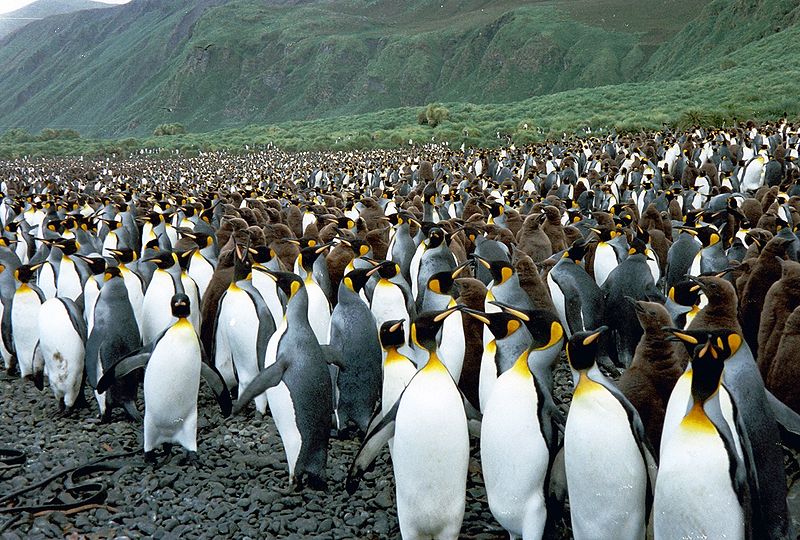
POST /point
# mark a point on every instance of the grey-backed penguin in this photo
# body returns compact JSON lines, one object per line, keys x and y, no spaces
{"x":431,"y":451}
{"x":608,"y":460}
{"x":298,"y":386}
{"x":172,"y":374}
{"x":62,"y":339}
{"x":354,"y":337}
{"x":114,"y":336}
{"x":699,"y":463}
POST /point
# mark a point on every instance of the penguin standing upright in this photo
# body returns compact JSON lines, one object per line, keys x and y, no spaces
{"x":319,"y":308}
{"x":62,"y":338}
{"x":165,"y":284}
{"x":431,"y":451}
{"x":114,"y":336}
{"x":606,"y":453}
{"x":518,"y":438}
{"x":242,"y":331}
{"x":700,"y":464}
{"x":398,"y":369}
{"x":171,"y":383}
{"x":25,"y":306}
{"x":298,"y":386}
{"x":355,"y":338}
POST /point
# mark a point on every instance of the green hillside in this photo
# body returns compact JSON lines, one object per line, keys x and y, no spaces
{"x":215,"y":63}
{"x":14,"y":20}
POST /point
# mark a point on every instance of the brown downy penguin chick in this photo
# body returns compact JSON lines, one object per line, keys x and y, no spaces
{"x":572,"y":233}
{"x":660,"y":245}
{"x":226,"y":228}
{"x":751,"y":209}
{"x":371,"y":213}
{"x":531,"y":282}
{"x":766,"y":271}
{"x":532,"y":240}
{"x":657,"y":364}
{"x":513,"y":221}
{"x":472,"y":208}
{"x":472,"y":293}
{"x":651,"y":219}
{"x":294,"y":219}
{"x":758,"y":238}
{"x":220,"y":280}
{"x":721,"y":311}
{"x":741,"y":274}
{"x":287,"y":249}
{"x":553,"y":229}
{"x":782,"y":298}
{"x":378,"y":239}
{"x":785,"y":367}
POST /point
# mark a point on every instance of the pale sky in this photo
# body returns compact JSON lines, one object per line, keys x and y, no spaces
{"x":11,"y":5}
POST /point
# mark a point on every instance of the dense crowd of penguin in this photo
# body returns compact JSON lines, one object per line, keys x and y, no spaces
{"x":416,"y":297}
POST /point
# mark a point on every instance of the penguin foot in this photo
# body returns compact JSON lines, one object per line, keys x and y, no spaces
{"x":150,"y":457}
{"x":105,"y":416}
{"x":313,"y":481}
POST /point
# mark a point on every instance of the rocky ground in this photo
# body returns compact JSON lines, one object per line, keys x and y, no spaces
{"x":239,"y":488}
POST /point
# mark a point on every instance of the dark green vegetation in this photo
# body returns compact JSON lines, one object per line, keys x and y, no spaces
{"x":14,"y":20}
{"x":597,"y":63}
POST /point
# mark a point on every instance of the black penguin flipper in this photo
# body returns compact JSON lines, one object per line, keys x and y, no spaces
{"x":374,"y":441}
{"x":120,"y":369}
{"x":75,"y":316}
{"x":332,"y":356}
{"x":574,"y":313}
{"x":267,"y":378}
{"x":38,"y":371}
{"x":217,"y":384}
{"x":788,"y":421}
{"x":5,"y":326}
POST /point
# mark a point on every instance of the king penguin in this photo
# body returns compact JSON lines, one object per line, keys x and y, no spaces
{"x":298,"y":386}
{"x":431,"y":451}
{"x":25,"y":307}
{"x":62,"y":339}
{"x":174,"y":364}
{"x":606,"y":454}
{"x":699,"y":463}
{"x":165,"y":284}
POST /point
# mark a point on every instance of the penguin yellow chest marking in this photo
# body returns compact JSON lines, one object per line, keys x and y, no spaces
{"x":697,"y":421}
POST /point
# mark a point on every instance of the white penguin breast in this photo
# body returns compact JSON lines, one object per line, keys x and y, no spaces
{"x":61,"y":346}
{"x":25,"y":324}
{"x":319,"y":312}
{"x":431,"y":451}
{"x":69,"y":283}
{"x":606,"y":475}
{"x":172,"y":377}
{"x":514,"y":455}
{"x":694,"y":470}
{"x":605,"y":260}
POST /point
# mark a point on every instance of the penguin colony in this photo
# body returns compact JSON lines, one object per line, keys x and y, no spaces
{"x":419,"y":298}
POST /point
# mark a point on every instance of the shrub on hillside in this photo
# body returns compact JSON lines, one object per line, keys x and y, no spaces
{"x":433,"y":115}
{"x":169,"y":129}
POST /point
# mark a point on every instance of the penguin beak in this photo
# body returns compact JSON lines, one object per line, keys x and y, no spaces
{"x":483,"y":261}
{"x":511,"y":310}
{"x":396,"y":326}
{"x":446,"y":313}
{"x":588,"y":340}
{"x":461,"y":267}
{"x":478,"y":315}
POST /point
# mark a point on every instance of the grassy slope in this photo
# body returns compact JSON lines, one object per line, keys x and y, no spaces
{"x":128,"y":69}
{"x":14,"y":20}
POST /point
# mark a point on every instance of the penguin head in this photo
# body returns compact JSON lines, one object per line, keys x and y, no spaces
{"x":24,"y":273}
{"x":386,"y":269}
{"x":718,"y":345}
{"x":262,"y":254}
{"x":543,"y":325}
{"x":180,"y":306}
{"x":309,"y":255}
{"x":288,"y":282}
{"x":604,"y":235}
{"x":111,"y":273}
{"x":69,"y":246}
{"x":391,"y":334}
{"x":501,"y":271}
{"x":582,"y":348}
{"x":427,"y":326}
{"x":637,"y":247}
{"x":96,"y":264}
{"x":163,"y":260}
{"x":500,"y":324}
{"x":185,"y":257}
{"x":360,"y":247}
{"x":123,"y":255}
{"x":577,"y":251}
{"x":685,"y":293}
{"x":436,"y":237}
{"x":355,"y":280}
{"x":708,"y":235}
